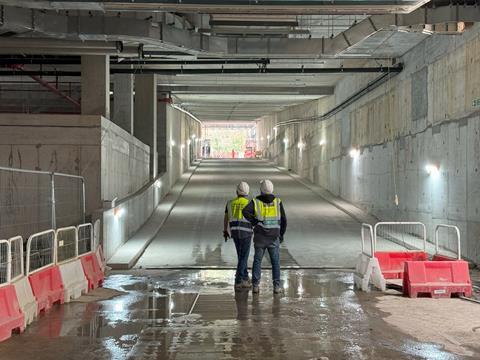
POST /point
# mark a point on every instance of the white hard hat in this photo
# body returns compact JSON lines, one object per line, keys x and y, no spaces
{"x":243,"y":189}
{"x":266,"y":187}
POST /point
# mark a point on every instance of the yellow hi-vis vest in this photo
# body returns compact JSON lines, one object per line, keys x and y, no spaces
{"x":239,"y":226}
{"x":268,"y":215}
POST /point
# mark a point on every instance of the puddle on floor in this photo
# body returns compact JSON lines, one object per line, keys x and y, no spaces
{"x":197,"y":315}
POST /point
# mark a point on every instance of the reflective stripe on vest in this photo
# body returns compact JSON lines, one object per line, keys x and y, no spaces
{"x":268,"y":215}
{"x":235,"y":215}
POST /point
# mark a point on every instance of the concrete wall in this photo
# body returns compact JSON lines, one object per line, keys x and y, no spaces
{"x":54,"y":143}
{"x":180,"y":128}
{"x":425,"y":115}
{"x":137,"y":208}
{"x":125,"y":162}
{"x":113,"y":163}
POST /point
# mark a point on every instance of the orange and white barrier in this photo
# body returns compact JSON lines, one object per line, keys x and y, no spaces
{"x":26,"y":299}
{"x":74,"y":281}
{"x":11,"y":317}
{"x":59,"y":267}
{"x":92,"y":266}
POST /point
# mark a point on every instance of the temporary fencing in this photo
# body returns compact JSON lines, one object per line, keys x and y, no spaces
{"x":85,"y":238}
{"x":32,"y":201}
{"x":43,"y":274}
{"x":447,"y":237}
{"x":442,"y":276}
{"x":54,"y":272}
{"x":367,"y":268}
{"x":66,"y":242}
{"x":73,"y":278}
{"x":16,"y":251}
{"x":5,"y":270}
{"x":11,"y":317}
{"x":411,"y":235}
{"x":40,"y":251}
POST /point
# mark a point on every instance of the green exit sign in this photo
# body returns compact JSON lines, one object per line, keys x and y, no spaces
{"x":476,"y":103}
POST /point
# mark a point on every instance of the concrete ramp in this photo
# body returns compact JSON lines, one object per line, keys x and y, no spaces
{"x":319,"y":234}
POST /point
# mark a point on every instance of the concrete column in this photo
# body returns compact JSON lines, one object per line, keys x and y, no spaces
{"x":162,"y":136}
{"x":96,"y":85}
{"x":123,"y":101}
{"x":145,"y":123}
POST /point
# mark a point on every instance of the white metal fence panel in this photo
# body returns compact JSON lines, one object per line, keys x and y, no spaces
{"x":25,"y":202}
{"x":40,"y":251}
{"x":368,"y":243}
{"x":85,"y":238}
{"x":447,"y":237}
{"x":66,"y":243}
{"x":5,"y":268}
{"x":96,"y":234}
{"x":32,"y":201}
{"x":69,"y":200}
{"x":408,"y":234}
{"x":16,"y":250}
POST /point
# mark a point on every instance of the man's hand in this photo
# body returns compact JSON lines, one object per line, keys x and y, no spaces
{"x":226,"y":235}
{"x":281,"y":239}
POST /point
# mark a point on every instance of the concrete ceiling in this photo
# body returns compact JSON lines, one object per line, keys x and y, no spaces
{"x":289,"y":34}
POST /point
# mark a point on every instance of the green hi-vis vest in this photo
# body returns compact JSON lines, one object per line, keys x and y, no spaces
{"x":239,"y":226}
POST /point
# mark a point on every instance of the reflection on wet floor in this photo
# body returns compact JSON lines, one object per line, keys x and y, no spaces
{"x":197,"y":315}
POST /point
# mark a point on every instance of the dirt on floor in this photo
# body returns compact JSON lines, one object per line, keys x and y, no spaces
{"x":453,"y":323}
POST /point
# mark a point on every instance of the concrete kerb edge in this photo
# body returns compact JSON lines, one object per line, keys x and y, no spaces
{"x":138,"y":255}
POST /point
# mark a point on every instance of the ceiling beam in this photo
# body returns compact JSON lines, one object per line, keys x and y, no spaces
{"x":250,"y":90}
{"x":268,"y":7}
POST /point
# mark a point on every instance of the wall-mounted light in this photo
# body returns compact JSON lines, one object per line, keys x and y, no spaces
{"x":172,"y":143}
{"x":118,"y":212}
{"x":261,"y":139}
{"x":182,"y":147}
{"x":322,"y":142}
{"x":194,"y":136}
{"x":432,"y":169}
{"x":188,"y":142}
{"x":285,"y":141}
{"x":300,"y":145}
{"x":354,"y":153}
{"x":158,"y":183}
{"x":268,"y":137}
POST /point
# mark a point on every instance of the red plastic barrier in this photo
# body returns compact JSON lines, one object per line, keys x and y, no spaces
{"x":93,"y":271}
{"x":47,"y":286}
{"x":437,"y":279}
{"x":443,"y":258}
{"x":11,"y":317}
{"x":392,"y":262}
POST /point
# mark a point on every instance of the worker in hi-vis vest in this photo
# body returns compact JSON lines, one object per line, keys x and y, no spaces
{"x":269,"y":222}
{"x":241,"y":231}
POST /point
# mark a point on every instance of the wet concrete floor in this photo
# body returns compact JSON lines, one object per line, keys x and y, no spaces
{"x":318,"y":234}
{"x":193,"y":314}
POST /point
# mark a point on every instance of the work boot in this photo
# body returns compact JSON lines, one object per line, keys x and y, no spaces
{"x":239,"y":286}
{"x":246,"y":284}
{"x":255,"y":289}
{"x":277,"y":290}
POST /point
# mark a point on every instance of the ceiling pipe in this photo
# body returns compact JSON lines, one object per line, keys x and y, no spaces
{"x":339,"y":70}
{"x":116,"y":61}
